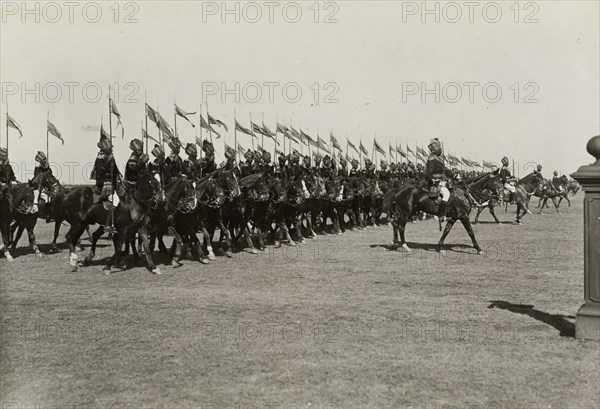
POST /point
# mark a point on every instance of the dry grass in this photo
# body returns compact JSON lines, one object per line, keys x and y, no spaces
{"x":340,"y":322}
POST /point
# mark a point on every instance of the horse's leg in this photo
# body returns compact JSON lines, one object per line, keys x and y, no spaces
{"x":4,"y":245}
{"x":143,"y":233}
{"x":445,"y":234}
{"x":543,"y":204}
{"x":227,"y":236}
{"x":75,"y":231}
{"x":207,"y":239}
{"x":20,"y":228}
{"x":479,"y":210}
{"x":493,"y":212}
{"x":178,"y":243}
{"x":402,"y":220}
{"x":94,"y":241}
{"x":31,"y":237}
{"x":467,"y":224}
{"x":55,"y":237}
{"x":555,"y":205}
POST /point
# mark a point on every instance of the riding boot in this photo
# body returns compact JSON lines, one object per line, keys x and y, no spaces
{"x":442,"y":211}
{"x":511,"y":198}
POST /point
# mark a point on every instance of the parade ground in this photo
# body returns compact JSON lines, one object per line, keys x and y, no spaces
{"x":340,"y":321}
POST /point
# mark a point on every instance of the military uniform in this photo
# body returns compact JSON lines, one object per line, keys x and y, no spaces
{"x":105,"y":170}
{"x":173,"y":162}
{"x":436,"y":172}
{"x":7,"y":174}
{"x":208,"y":161}
{"x":137,"y":164}
{"x":106,"y":173}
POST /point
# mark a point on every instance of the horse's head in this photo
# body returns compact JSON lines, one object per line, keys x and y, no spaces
{"x":44,"y":181}
{"x":260,"y":191}
{"x":149,"y":191}
{"x":229,"y":183}
{"x":212,"y":193}
{"x":278,"y":190}
{"x":297,"y":191}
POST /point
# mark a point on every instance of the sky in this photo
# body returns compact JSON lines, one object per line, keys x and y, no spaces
{"x":490,"y":80}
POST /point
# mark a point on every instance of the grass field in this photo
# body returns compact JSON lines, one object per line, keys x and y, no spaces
{"x":339,"y":322}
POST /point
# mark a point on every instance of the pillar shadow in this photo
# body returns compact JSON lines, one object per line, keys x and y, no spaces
{"x":566,"y":328}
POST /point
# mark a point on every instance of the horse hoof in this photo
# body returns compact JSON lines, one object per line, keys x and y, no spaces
{"x":292,"y":243}
{"x":39,"y":254}
{"x":203,"y":261}
{"x":175,"y":263}
{"x":480,"y":253}
{"x":228,"y":254}
{"x":156,"y":271}
{"x":212,"y":257}
{"x":107,"y":272}
{"x":442,"y":252}
{"x":406,"y":248}
{"x":302,"y":241}
{"x":9,"y":258}
{"x":75,"y":269}
{"x":253,"y":251}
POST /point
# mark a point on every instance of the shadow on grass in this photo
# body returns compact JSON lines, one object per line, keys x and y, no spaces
{"x":558,"y":321}
{"x":426,"y":247}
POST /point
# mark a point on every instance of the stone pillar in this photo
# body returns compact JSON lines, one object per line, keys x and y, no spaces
{"x":587,"y":323}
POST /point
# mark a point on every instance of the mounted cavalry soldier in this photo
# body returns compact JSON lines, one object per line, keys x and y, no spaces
{"x":7,"y":174}
{"x":192,"y":166}
{"x":208,"y":161}
{"x":507,"y":179}
{"x":106,"y":173}
{"x":173,"y":162}
{"x":435,"y":174}
{"x":354,"y":171}
{"x":343,"y":171}
{"x":556,"y":184}
{"x":538,"y":170}
{"x":230,"y":163}
{"x":157,"y":166}
{"x":43,"y":168}
{"x":384,"y":173}
{"x":248,"y":167}
{"x":369,"y":170}
{"x":137,"y":164}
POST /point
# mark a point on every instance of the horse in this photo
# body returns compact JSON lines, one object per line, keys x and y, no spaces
{"x":206,"y":196}
{"x":12,"y":198}
{"x":486,"y":197}
{"x":252,"y":206}
{"x":550,"y":191}
{"x":218,"y":217}
{"x":401,"y":203}
{"x":131,"y":216}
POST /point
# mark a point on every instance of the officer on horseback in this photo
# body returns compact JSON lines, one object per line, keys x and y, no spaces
{"x":7,"y":174}
{"x":369,"y":169}
{"x":106,"y":172}
{"x":248,"y":167}
{"x":173,"y":162}
{"x":137,"y":164}
{"x":354,"y":171}
{"x":157,"y":166}
{"x":230,"y":163}
{"x":538,"y":170}
{"x":436,"y":173}
{"x":556,"y":183}
{"x":191,"y":166}
{"x":208,"y":161}
{"x":507,"y":179}
{"x":43,"y":172}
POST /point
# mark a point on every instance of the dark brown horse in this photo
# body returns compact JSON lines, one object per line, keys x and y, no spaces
{"x":11,"y":198}
{"x":404,"y":202}
{"x":132,"y":216}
